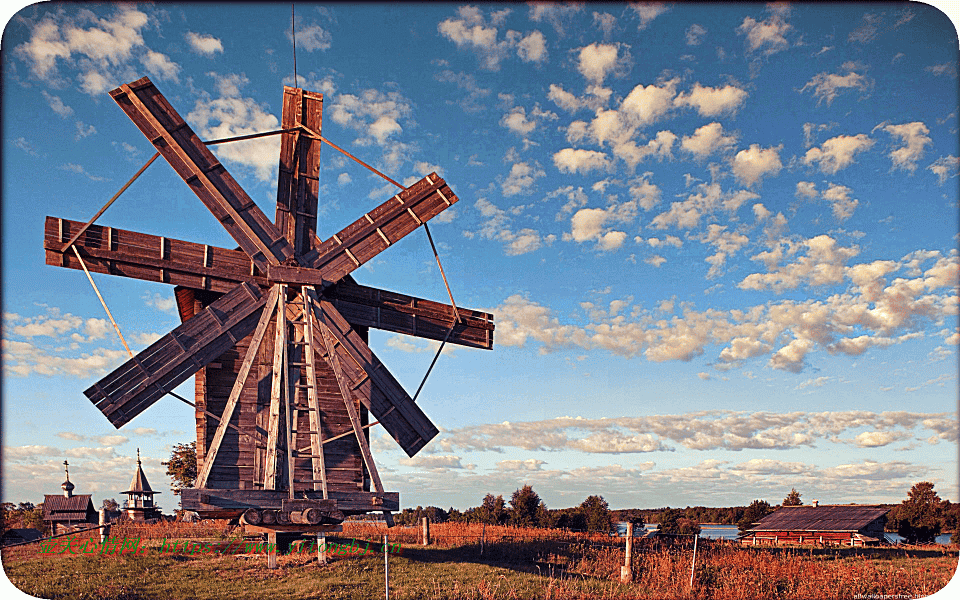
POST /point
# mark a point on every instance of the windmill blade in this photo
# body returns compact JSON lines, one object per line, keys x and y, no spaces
{"x":383,"y":226}
{"x":138,"y":383}
{"x":372,"y":382}
{"x":149,"y":257}
{"x":366,"y":306}
{"x":201,"y":170}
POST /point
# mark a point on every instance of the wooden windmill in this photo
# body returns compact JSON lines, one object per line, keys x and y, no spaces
{"x":275,"y":331}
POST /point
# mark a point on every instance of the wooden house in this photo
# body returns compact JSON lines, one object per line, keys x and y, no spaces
{"x":69,"y":512}
{"x":840,"y":524}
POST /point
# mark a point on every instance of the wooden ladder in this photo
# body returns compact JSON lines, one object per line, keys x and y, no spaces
{"x":302,"y":353}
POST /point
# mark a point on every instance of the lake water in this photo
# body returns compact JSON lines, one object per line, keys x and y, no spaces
{"x":729,"y":532}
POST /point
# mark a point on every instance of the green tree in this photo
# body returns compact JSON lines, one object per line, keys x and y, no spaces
{"x":525,"y":507}
{"x":757,"y":510}
{"x":182,"y":466}
{"x":793,"y":498}
{"x":491,"y":511}
{"x":673,"y":520}
{"x":596,"y":513}
{"x":918,"y":519}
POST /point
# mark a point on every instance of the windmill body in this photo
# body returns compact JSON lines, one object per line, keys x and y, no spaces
{"x":275,"y":331}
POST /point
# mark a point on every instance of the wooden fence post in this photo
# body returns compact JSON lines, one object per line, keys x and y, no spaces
{"x":425,"y":533}
{"x":693,"y":565}
{"x":386,"y":570}
{"x":272,"y":550}
{"x":626,"y":571}
{"x":104,"y":527}
{"x":322,"y":548}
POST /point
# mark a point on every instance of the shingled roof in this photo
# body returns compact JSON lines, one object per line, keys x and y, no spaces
{"x":841,"y":517}
{"x":61,"y":508}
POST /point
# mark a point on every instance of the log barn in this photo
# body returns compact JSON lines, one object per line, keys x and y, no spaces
{"x":841,"y":524}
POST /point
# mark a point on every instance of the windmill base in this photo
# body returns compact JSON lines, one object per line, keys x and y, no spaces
{"x":211,"y":503}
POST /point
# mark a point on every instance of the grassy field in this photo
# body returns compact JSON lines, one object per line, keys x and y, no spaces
{"x":510,"y":563}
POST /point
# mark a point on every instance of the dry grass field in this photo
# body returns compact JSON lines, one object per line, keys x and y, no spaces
{"x":508,"y":563}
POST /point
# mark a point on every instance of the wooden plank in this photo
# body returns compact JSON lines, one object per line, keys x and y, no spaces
{"x":317,"y":460}
{"x":360,"y":241}
{"x":121,"y":252}
{"x":374,"y":384}
{"x":251,"y":354}
{"x":273,"y":425}
{"x":232,"y":499}
{"x":145,"y":378}
{"x":200,"y":169}
{"x":390,"y":311}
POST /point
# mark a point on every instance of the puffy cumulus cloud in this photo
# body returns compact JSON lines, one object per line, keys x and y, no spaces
{"x":231,"y":115}
{"x":839,"y":198}
{"x":713,"y":102}
{"x":767,"y":36}
{"x":754,"y":163}
{"x":822,"y":264}
{"x":725,"y":243}
{"x":517,"y":120}
{"x":472,"y":30}
{"x":597,"y":61}
{"x":648,"y":11}
{"x":378,"y":117}
{"x":701,"y":430}
{"x":311,"y":37}
{"x":870,"y":314}
{"x":707,"y":139}
{"x":497,"y":225}
{"x":647,"y":104}
{"x":578,"y":160}
{"x":101,"y":52}
{"x":530,"y":464}
{"x":644,"y":193}
{"x":207,"y":45}
{"x":521,"y":178}
{"x":707,"y":199}
{"x":806,"y":189}
{"x":564,"y":99}
{"x":826,"y":86}
{"x":914,"y":138}
{"x":433,"y":463}
{"x":945,"y":167}
{"x":837,"y":153}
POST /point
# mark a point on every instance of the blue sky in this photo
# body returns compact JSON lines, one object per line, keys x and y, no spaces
{"x":719,"y":241}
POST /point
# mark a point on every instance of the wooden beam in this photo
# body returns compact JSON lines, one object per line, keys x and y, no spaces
{"x":299,"y":171}
{"x":251,"y":355}
{"x":138,"y":383}
{"x":360,"y":241}
{"x":201,"y":170}
{"x":313,"y":403}
{"x":273,"y":425}
{"x":348,"y":399}
{"x":376,"y":387}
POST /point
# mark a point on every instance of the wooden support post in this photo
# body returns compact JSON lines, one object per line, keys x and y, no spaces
{"x":425,"y":531}
{"x":386,"y":570}
{"x":693,"y":565}
{"x":272,"y":550}
{"x":626,"y":571}
{"x":104,"y":527}
{"x":322,"y":548}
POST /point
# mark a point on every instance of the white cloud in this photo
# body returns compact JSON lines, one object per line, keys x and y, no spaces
{"x":497,"y":225}
{"x":648,"y":11}
{"x":200,"y":43}
{"x":378,"y":117}
{"x":837,"y":152}
{"x":767,"y":36}
{"x":750,"y":165}
{"x":914,"y":138}
{"x":521,"y":178}
{"x":166,"y":303}
{"x":573,"y":160}
{"x":945,"y":167}
{"x":596,"y":61}
{"x":57,"y":105}
{"x":713,"y":102}
{"x":532,"y":48}
{"x":706,"y":140}
{"x":695,"y":34}
{"x":822,"y":264}
{"x":648,"y":104}
{"x":839,"y":197}
{"x":826,"y":86}
{"x":232,"y":115}
{"x":312,"y":37}
{"x":160,"y":65}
